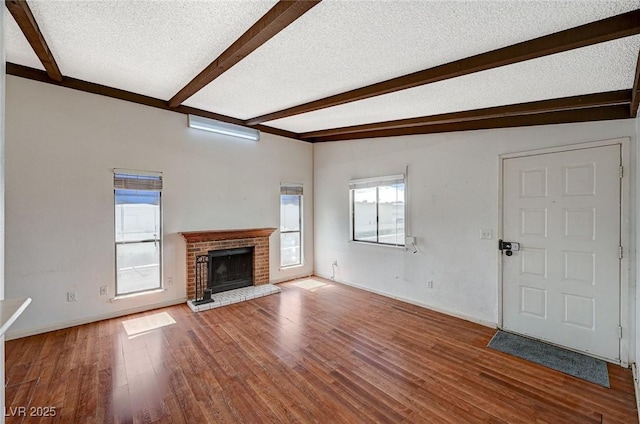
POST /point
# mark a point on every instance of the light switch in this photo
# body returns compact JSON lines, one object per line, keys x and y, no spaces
{"x":486,"y":234}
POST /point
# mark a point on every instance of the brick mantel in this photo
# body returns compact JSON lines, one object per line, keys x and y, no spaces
{"x":201,"y":242}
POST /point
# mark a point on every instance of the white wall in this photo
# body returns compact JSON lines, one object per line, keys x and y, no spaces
{"x":452,"y":195}
{"x":61,"y":148}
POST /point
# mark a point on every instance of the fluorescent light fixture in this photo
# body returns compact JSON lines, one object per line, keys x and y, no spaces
{"x":219,"y":127}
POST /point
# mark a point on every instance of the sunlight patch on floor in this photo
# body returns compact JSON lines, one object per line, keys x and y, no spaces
{"x":310,"y":284}
{"x":143,"y":325}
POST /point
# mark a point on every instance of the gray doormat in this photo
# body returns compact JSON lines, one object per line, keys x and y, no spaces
{"x":566,"y":361}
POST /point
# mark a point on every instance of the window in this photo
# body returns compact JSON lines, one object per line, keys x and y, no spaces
{"x":290,"y":225}
{"x":138,"y":231}
{"x":377,"y":210}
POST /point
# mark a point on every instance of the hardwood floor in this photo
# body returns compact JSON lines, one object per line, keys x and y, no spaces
{"x":329,"y":354}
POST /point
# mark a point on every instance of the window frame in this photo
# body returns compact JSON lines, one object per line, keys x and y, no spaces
{"x":292,"y":190}
{"x":377,"y":182}
{"x":157,"y":188}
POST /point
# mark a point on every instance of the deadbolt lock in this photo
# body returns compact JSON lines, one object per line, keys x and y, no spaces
{"x":508,"y":246}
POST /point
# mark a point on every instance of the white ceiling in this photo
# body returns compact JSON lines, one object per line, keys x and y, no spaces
{"x":156,"y":47}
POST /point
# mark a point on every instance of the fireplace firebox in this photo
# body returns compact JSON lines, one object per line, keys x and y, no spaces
{"x":223,"y":270}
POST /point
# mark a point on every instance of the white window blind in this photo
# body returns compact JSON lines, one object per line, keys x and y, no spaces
{"x":377,"y":181}
{"x":137,"y":180}
{"x":291,"y":189}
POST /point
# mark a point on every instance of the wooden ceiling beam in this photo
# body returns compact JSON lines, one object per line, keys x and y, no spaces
{"x":597,"y":113}
{"x":115,"y":93}
{"x":635,"y":91}
{"x":274,"y":21}
{"x":620,"y":97}
{"x":21,"y":12}
{"x":608,"y":29}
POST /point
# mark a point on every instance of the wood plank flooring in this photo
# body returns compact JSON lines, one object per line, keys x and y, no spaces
{"x":329,"y":354}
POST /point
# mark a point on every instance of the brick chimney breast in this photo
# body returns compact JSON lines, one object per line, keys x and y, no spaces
{"x":201,"y":242}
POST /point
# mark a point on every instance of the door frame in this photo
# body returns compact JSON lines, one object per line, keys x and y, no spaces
{"x":626,"y":240}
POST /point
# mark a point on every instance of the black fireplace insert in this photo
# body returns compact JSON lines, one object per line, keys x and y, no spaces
{"x":222,"y":270}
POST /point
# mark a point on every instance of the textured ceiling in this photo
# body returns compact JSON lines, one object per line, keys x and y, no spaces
{"x":599,"y":68}
{"x":148,"y":47}
{"x":17,"y":48}
{"x":156,"y":47}
{"x":339,"y":45}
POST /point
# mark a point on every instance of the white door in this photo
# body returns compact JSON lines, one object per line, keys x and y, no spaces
{"x":563,"y":286}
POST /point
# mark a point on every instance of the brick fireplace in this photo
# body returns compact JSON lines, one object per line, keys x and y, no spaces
{"x":201,"y":242}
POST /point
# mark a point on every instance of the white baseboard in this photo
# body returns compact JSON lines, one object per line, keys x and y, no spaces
{"x":59,"y":326}
{"x":292,"y":277}
{"x":414,"y":302}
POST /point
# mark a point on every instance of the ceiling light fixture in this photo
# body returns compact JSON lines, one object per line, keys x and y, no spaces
{"x":219,"y":127}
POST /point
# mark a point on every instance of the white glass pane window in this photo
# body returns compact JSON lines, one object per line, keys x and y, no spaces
{"x":378,"y":211}
{"x":289,"y":249}
{"x":138,"y":267}
{"x":391,"y":214}
{"x":290,"y":213}
{"x":290,"y":229}
{"x":138,"y":240}
{"x":365,"y":214}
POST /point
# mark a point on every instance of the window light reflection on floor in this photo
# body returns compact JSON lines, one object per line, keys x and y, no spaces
{"x":310,"y":284}
{"x":143,"y":325}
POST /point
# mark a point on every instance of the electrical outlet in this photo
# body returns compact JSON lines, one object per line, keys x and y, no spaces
{"x":169,"y":281}
{"x":430,"y":284}
{"x":72,"y":296}
{"x":104,"y":290}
